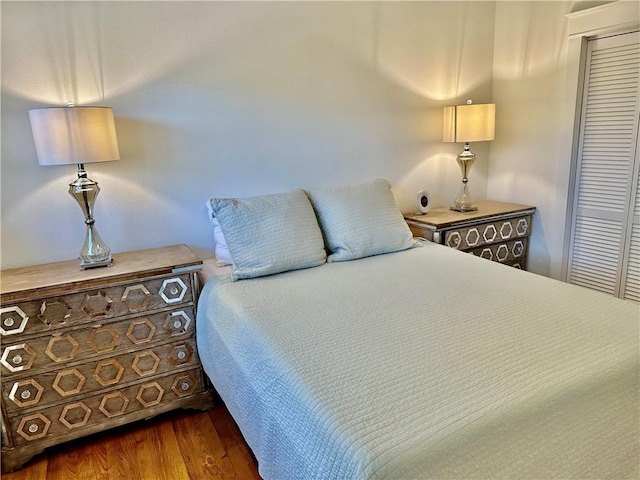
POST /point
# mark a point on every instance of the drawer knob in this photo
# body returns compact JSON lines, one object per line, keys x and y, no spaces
{"x":26,"y":392}
{"x":173,"y":290}
{"x":18,"y":357}
{"x":180,"y":354}
{"x":177,"y":323}
{"x":14,"y":320}
{"x":522,"y":227}
{"x":454,"y":240}
{"x":184,"y":384}
{"x":33,"y":427}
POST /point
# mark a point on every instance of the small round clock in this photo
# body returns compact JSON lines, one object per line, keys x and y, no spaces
{"x":423,"y":202}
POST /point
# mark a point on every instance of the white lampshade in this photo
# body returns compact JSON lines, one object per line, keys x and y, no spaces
{"x":469,"y":123}
{"x":68,"y":135}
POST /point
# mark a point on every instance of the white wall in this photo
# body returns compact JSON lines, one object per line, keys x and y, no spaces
{"x":535,"y":88}
{"x":527,"y":162}
{"x":232,"y":99}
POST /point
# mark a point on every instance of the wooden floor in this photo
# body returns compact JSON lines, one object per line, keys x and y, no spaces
{"x":179,"y":445}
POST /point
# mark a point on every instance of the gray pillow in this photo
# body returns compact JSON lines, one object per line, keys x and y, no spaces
{"x":270,"y":233}
{"x":361,"y":220}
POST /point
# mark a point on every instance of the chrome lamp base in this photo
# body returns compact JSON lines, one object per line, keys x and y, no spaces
{"x":463,"y":209}
{"x":462,"y":202}
{"x":94,"y":253}
{"x":87,"y":265}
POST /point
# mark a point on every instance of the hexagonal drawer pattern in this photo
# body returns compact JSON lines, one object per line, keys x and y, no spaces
{"x":487,"y":233}
{"x":108,"y":372}
{"x":136,"y":297}
{"x":508,"y":252}
{"x":177,"y":323}
{"x":145,"y":363}
{"x":173,"y":290}
{"x":93,"y":410}
{"x":12,"y":321}
{"x":181,"y":353}
{"x":185,"y":384}
{"x":114,"y":404}
{"x":26,"y":393}
{"x":61,"y":348}
{"x":17,"y":358}
{"x":33,"y":427}
{"x":141,"y":330}
{"x":75,"y":415}
{"x":103,"y":339}
{"x":83,"y":353}
{"x":68,"y":382}
{"x":150,"y":394}
{"x":110,"y":339}
{"x":113,"y":371}
{"x":100,"y":304}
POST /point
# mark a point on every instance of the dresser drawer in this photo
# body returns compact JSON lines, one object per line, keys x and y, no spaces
{"x":84,"y":351}
{"x":97,"y":339}
{"x":53,"y":386}
{"x":497,"y":231}
{"x":472,"y":237}
{"x":508,"y":253}
{"x":44,"y":315}
{"x":93,"y":411}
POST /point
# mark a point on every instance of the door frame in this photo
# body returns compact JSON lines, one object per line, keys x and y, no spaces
{"x":616,"y":17}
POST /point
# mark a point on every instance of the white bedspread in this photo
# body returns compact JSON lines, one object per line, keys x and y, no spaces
{"x":426,"y":363}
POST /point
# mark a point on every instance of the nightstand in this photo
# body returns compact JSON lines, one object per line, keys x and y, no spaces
{"x":83,"y":351}
{"x":497,"y":231}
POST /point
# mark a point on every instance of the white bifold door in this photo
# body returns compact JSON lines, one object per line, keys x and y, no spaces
{"x":604,"y":252}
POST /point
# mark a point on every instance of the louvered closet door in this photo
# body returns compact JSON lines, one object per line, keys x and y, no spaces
{"x":605,"y":237}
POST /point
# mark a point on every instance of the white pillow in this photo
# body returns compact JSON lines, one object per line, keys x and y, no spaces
{"x":361,"y":220}
{"x":269,"y":233}
{"x":223,"y":257}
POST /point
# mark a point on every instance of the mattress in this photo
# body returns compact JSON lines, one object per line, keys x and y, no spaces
{"x":426,"y":363}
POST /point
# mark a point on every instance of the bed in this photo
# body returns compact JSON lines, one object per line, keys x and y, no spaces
{"x":424,"y":363}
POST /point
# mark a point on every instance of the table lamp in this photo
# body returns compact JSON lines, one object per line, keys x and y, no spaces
{"x":78,"y":135}
{"x":467,"y":123}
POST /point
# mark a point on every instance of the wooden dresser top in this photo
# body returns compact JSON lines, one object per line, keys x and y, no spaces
{"x":443,"y":216}
{"x":64,"y":276}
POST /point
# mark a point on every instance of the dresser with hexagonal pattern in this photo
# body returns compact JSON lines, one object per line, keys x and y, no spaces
{"x":497,"y":231}
{"x":83,"y":351}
